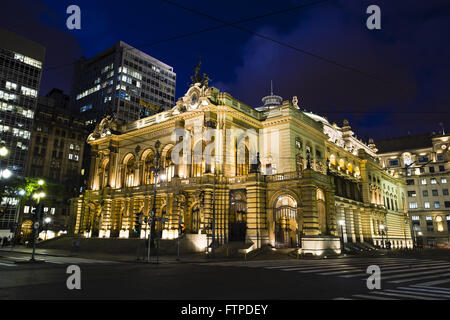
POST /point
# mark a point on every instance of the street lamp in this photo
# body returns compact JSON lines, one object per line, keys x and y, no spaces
{"x":382,"y":235}
{"x":6,"y":174}
{"x":4,"y":151}
{"x":341,"y":223}
{"x":47,"y":221}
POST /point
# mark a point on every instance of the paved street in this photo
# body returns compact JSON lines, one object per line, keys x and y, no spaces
{"x":344,"y":278}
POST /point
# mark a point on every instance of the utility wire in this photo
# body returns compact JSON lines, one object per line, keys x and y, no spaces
{"x":335,"y":63}
{"x":221,"y":26}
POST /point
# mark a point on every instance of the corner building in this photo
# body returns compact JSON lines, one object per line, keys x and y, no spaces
{"x":277,"y":176}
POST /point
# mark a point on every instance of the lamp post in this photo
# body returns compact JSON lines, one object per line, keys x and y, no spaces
{"x":341,"y":223}
{"x":37,"y":196}
{"x":382,"y":236}
{"x":47,"y":221}
{"x":213,"y":243}
{"x":152,"y":213}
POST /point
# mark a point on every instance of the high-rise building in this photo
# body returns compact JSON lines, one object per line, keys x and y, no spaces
{"x":56,"y":149}
{"x":122,"y":80}
{"x":424,"y":162}
{"x":21,"y":63}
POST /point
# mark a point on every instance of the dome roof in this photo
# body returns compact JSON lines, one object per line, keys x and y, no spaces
{"x":316,"y":117}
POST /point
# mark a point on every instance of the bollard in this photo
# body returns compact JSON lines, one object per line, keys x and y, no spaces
{"x":245,"y":255}
{"x":227,"y":251}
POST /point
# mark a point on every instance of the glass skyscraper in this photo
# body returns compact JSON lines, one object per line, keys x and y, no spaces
{"x":122,"y":80}
{"x":21,"y":63}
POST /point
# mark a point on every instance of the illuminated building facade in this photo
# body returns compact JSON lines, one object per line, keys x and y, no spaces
{"x":21,"y":63}
{"x":275,"y":175}
{"x":424,"y":162}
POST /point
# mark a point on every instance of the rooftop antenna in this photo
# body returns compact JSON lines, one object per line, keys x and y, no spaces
{"x":271,"y":88}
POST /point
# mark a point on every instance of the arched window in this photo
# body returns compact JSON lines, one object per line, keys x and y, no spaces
{"x":104,"y":174}
{"x":149,"y":163}
{"x":169,"y":166}
{"x":129,"y":171}
{"x":198,"y":159}
{"x":321,"y":211}
{"x":242,"y":159}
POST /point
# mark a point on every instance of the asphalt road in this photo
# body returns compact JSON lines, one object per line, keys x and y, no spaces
{"x":345,"y":278}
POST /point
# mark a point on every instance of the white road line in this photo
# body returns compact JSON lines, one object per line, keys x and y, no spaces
{"x":402,"y":271}
{"x":409,"y":274}
{"x":383,"y":270}
{"x":8,"y":264}
{"x":433,"y":283}
{"x":363,"y":296}
{"x":333,"y":266}
{"x":342,"y":298}
{"x":430,"y":287}
{"x":330,"y":269}
{"x":426,"y":290}
{"x":421,"y":293}
{"x":421,"y":278}
{"x":404,"y":295}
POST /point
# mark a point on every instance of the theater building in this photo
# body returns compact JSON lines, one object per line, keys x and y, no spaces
{"x":271,"y":175}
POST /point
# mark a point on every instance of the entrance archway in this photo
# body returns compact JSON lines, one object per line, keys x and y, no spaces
{"x":238,"y":216}
{"x":286,"y":221}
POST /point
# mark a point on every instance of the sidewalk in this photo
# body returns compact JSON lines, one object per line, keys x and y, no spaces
{"x":184,"y":258}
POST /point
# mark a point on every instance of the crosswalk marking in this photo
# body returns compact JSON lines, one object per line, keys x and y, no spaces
{"x":435,"y":282}
{"x":421,"y":278}
{"x":364,"y":296}
{"x":7,"y":264}
{"x":445,"y":292}
{"x":391,"y":294}
{"x":408,"y":273}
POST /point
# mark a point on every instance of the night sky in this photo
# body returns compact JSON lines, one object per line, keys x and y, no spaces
{"x":399,"y":82}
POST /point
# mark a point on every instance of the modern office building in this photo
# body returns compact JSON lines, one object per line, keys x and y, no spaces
{"x":56,"y":149}
{"x":424,"y":162}
{"x":122,"y":80}
{"x":21,"y":62}
{"x":279,"y":176}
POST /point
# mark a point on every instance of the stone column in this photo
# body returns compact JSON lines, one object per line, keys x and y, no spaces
{"x":358,"y":224}
{"x":309,"y":204}
{"x":256,"y":211}
{"x":349,"y":223}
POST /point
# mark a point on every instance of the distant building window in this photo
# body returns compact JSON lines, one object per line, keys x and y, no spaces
{"x":435,"y":193}
{"x":437,"y":204}
{"x":440,"y":157}
{"x":423,"y":159}
{"x":393,"y":163}
{"x":447,"y":204}
{"x":410,"y":182}
{"x":441,"y":168}
{"x":444,"y":180}
{"x":433,"y":181}
{"x":413,"y":205}
{"x":426,"y":205}
{"x":26,"y":209}
{"x":423,"y":181}
{"x":52,"y":211}
{"x":71,"y":146}
{"x":415,"y":218}
{"x":431,"y":169}
{"x":411,"y":193}
{"x":429,"y":218}
{"x":425,"y":193}
{"x":445,"y":192}
{"x":70,"y":156}
{"x":86,"y":107}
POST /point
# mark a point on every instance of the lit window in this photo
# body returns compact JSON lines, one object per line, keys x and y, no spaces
{"x":45,"y":209}
{"x":52,"y":211}
{"x":433,"y":181}
{"x":429,"y":218}
{"x":413,"y":205}
{"x":427,"y":205}
{"x":70,"y":156}
{"x":423,"y":181}
{"x":26,"y":209}
{"x":437,"y":204}
{"x":71,"y":146}
{"x":444,"y":180}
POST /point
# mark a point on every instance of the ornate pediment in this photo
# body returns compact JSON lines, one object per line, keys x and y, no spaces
{"x":106,"y":127}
